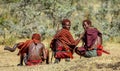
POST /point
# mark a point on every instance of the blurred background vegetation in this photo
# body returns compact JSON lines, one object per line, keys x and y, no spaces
{"x":19,"y":19}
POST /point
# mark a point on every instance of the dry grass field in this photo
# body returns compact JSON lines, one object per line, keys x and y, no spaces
{"x":8,"y":62}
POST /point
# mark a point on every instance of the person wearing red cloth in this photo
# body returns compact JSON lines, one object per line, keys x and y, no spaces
{"x":92,"y":41}
{"x":63,"y":43}
{"x":31,"y":51}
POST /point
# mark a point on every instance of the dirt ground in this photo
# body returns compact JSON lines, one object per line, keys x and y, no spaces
{"x":9,"y":61}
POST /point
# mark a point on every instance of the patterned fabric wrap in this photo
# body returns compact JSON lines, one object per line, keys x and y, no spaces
{"x":63,"y":44}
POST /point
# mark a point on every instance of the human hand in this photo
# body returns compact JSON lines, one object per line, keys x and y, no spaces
{"x":81,"y":35}
{"x":90,"y":48}
{"x":6,"y":48}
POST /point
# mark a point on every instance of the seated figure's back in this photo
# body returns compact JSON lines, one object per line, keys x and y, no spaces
{"x":35,"y":51}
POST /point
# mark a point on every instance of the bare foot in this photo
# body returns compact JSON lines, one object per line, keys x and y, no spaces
{"x":19,"y":64}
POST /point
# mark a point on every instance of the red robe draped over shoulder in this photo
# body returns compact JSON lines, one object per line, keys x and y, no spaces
{"x":23,"y":46}
{"x":65,"y":37}
{"x":91,"y":36}
{"x":65,"y":42}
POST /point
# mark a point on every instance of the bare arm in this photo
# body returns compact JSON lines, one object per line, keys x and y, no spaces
{"x":80,"y":38}
{"x":11,"y":49}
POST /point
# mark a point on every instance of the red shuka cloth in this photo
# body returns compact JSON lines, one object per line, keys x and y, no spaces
{"x":33,"y":62}
{"x":68,"y":43}
{"x":65,"y":37}
{"x":91,"y":36}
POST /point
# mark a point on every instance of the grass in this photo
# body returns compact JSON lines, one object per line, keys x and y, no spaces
{"x":8,"y":62}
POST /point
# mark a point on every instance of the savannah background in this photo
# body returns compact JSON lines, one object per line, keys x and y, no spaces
{"x":19,"y":19}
